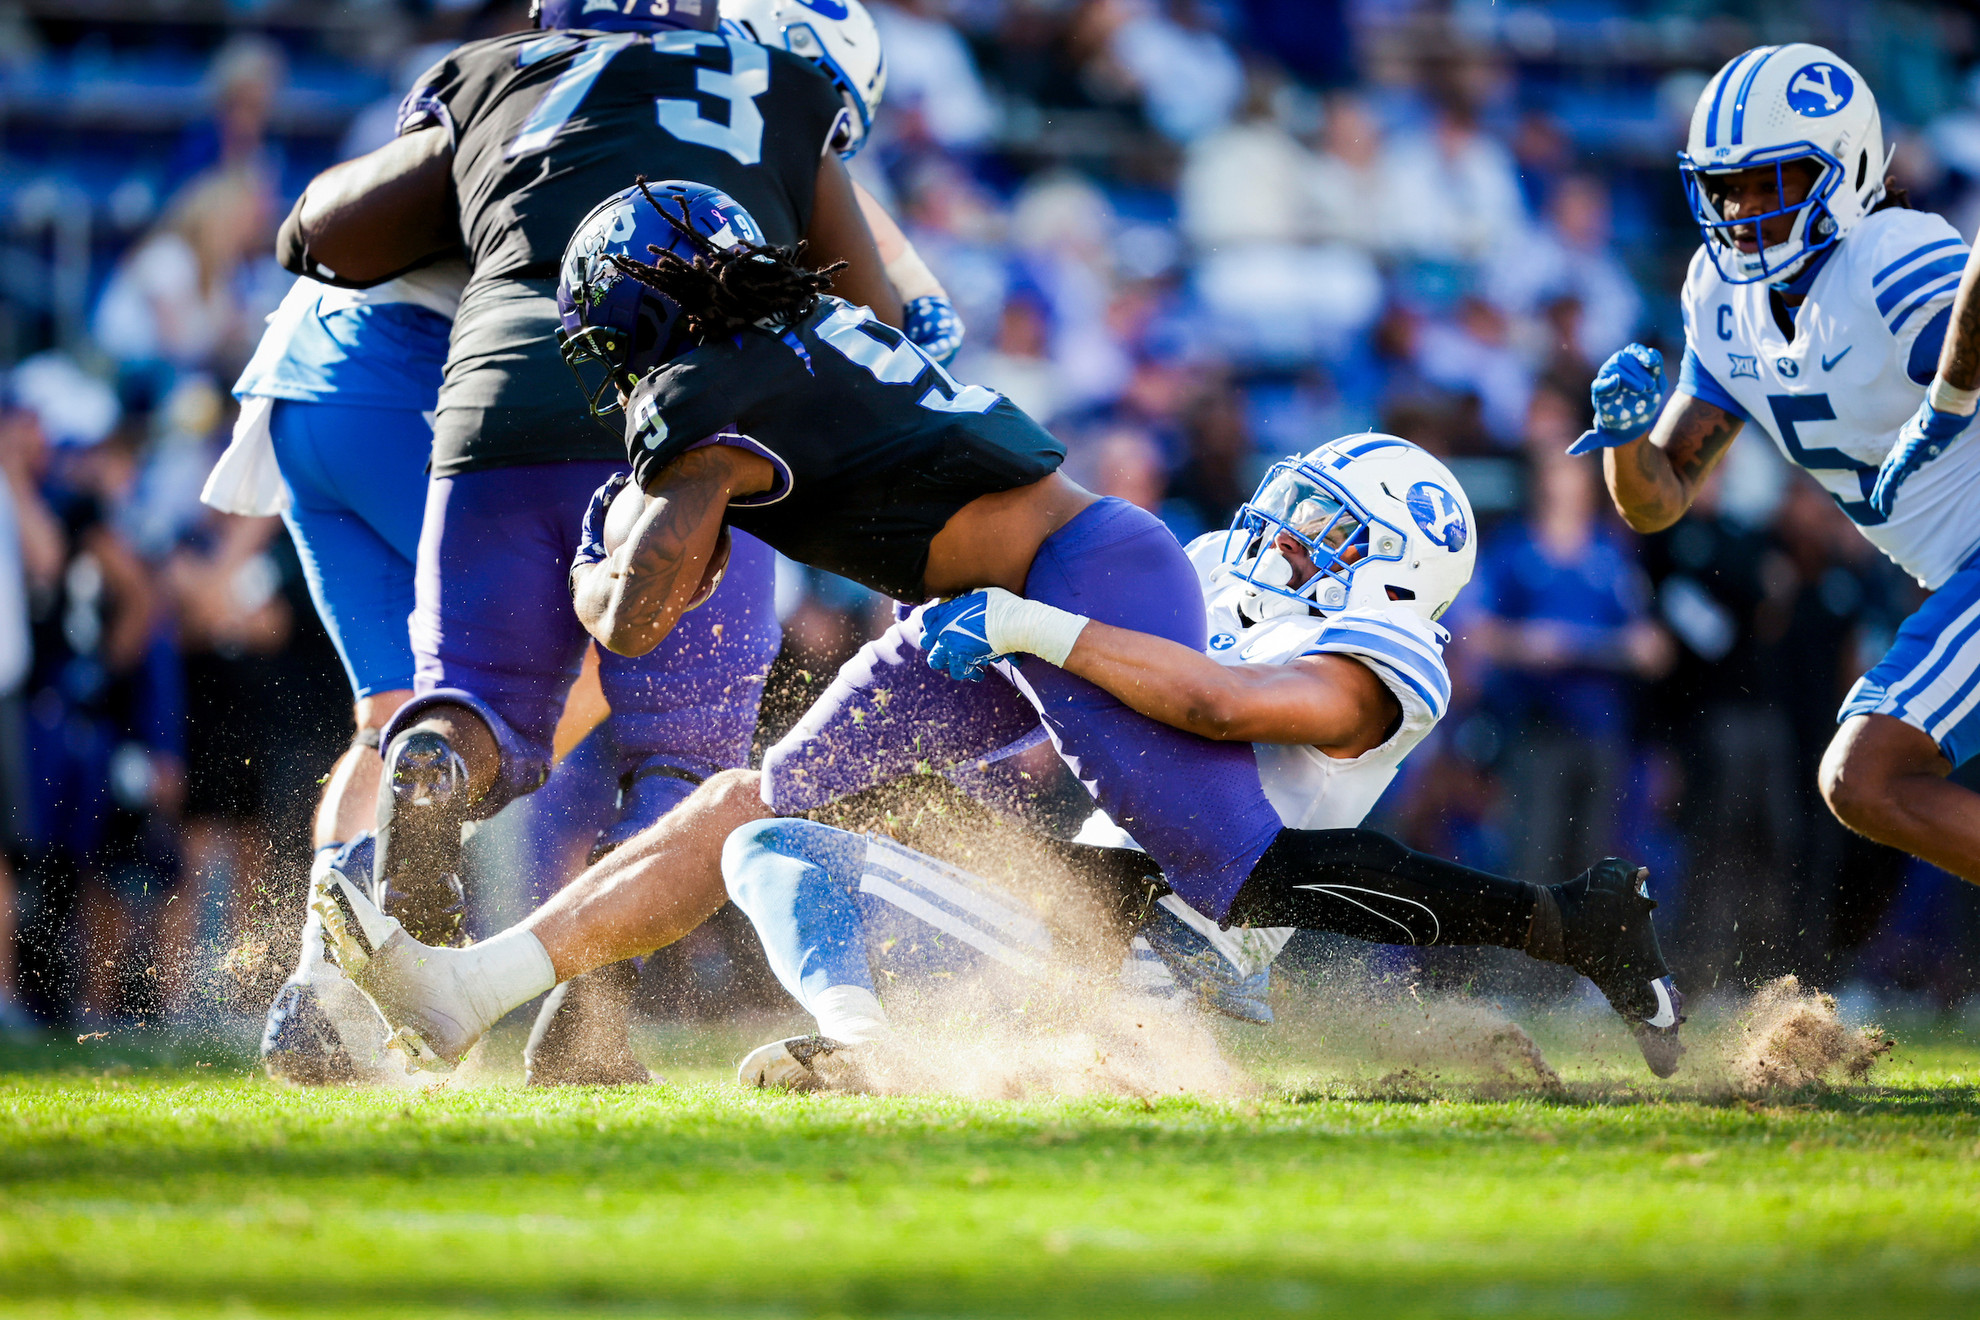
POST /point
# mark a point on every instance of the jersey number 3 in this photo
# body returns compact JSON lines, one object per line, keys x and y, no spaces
{"x":748,"y":77}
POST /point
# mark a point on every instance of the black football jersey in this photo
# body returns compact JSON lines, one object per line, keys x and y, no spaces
{"x":545,"y":125}
{"x":875,"y":445}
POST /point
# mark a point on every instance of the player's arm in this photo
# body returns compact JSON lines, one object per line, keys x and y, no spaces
{"x":1332,"y":702}
{"x":928,"y":317}
{"x":632,"y":598}
{"x":378,"y":215}
{"x":1950,"y":400}
{"x":839,"y":232}
{"x":1654,"y":479}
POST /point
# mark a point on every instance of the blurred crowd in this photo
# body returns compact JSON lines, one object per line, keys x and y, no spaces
{"x":1190,"y":235}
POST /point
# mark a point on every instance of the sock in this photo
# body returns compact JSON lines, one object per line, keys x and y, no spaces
{"x":312,"y":959}
{"x":849,"y":1014}
{"x":503,"y":972}
{"x":1369,"y":887}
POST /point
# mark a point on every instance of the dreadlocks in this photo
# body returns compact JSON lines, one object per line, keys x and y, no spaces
{"x":726,"y":289}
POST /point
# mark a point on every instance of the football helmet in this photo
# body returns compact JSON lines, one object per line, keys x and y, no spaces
{"x":1770,"y":106}
{"x":624,"y":15}
{"x":610,"y":318}
{"x":838,"y":36}
{"x":1380,"y":518}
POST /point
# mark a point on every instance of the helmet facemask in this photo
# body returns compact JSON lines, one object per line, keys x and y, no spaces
{"x":1813,"y":228}
{"x":1300,"y":501}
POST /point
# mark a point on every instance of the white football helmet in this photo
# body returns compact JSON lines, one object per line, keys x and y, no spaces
{"x":1383,"y":521}
{"x":837,"y":35}
{"x":1772,"y":105}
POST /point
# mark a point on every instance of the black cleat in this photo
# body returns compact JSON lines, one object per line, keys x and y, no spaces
{"x":1606,"y":934}
{"x":416,"y":879}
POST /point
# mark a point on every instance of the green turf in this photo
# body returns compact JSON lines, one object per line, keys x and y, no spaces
{"x":182,"y":1190}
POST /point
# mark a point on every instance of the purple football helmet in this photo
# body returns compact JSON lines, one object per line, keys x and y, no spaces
{"x":613,"y":319}
{"x":625,"y":15}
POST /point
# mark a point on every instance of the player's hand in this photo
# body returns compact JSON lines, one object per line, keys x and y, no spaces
{"x":956,"y":635}
{"x":591,"y":533}
{"x":1919,"y":441}
{"x":1628,"y":393}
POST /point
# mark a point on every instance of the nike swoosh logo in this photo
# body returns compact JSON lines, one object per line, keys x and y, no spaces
{"x":1829,"y":362}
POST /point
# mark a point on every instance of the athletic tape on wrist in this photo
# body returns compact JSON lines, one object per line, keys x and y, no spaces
{"x":1012,"y":623}
{"x":1944,"y":398}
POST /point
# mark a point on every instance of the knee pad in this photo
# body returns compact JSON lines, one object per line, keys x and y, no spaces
{"x":524,"y":764}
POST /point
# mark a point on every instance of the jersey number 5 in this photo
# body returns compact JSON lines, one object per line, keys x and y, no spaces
{"x":894,"y":359}
{"x":748,"y":77}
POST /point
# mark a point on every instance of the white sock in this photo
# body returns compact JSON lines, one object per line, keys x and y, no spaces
{"x":850,"y":1014}
{"x":503,"y":972}
{"x":312,"y":960}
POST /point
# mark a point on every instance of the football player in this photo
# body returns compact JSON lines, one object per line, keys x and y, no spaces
{"x":1817,"y":309}
{"x":1330,"y":666}
{"x":504,"y":145}
{"x":950,"y":490}
{"x":333,"y":435}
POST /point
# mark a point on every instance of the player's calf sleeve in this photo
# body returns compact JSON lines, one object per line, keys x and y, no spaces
{"x":1369,"y":887}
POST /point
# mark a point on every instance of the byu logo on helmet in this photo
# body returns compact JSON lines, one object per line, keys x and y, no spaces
{"x":1819,"y":90}
{"x":1438,"y":514}
{"x":1223,"y":641}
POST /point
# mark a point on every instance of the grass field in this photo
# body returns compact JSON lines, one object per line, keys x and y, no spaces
{"x":159,"y":1188}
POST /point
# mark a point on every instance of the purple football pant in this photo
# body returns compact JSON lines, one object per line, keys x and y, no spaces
{"x":1194,"y":804}
{"x":493,"y":616}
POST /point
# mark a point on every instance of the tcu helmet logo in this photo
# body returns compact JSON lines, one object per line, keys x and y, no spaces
{"x":1439,"y":514}
{"x":587,"y":276}
{"x":1819,"y":90}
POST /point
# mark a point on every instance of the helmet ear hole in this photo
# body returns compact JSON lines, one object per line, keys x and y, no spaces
{"x":1862,"y":168}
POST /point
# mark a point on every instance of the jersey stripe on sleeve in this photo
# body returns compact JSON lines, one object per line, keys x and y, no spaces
{"x":1408,"y":657}
{"x":1909,"y":257}
{"x":1943,"y":288}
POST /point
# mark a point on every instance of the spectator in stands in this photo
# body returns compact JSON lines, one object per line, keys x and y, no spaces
{"x":1561,"y":611}
{"x":934,"y":93}
{"x":1451,"y":192}
{"x":1569,"y":256}
{"x":242,"y":85}
{"x":175,"y":299}
{"x":1172,"y":56}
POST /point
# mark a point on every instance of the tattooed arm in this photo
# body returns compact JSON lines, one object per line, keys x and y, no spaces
{"x":632,"y":598}
{"x":1959,"y":360}
{"x":1654,"y":480}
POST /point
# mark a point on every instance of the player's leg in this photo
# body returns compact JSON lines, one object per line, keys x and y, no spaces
{"x":1198,"y":807}
{"x":1905,"y":726}
{"x":680,"y":714}
{"x":496,"y":646}
{"x":357,"y":480}
{"x":833,"y":908}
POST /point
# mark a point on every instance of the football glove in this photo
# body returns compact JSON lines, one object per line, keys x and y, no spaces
{"x":1628,"y":393}
{"x":956,"y":636}
{"x":931,"y":322}
{"x":1919,"y":441}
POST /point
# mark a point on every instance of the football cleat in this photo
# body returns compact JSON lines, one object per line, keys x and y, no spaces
{"x":1607,"y":935}
{"x":802,"y":1063}
{"x":412,"y":985}
{"x":582,"y":1035}
{"x":323,"y":1033}
{"x":417,"y":872}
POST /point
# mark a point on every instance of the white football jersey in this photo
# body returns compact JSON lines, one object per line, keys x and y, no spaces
{"x":1308,"y":788}
{"x":1835,"y":395}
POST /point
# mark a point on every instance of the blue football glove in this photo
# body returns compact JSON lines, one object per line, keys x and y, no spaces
{"x":1628,"y":393}
{"x":1919,"y":441}
{"x":955,"y":635}
{"x":931,"y":322}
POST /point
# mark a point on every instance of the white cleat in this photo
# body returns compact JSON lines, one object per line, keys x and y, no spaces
{"x":802,"y":1063}
{"x":412,"y":985}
